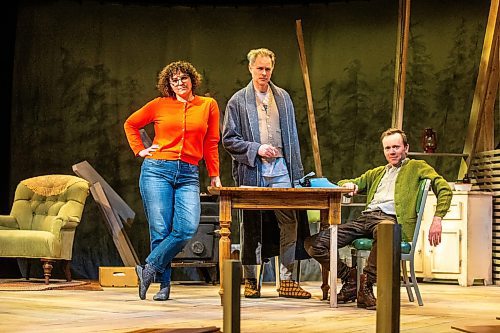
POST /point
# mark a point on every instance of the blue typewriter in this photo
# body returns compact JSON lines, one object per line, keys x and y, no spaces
{"x":310,"y":181}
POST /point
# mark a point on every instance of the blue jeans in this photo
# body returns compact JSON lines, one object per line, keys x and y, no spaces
{"x":170,"y":193}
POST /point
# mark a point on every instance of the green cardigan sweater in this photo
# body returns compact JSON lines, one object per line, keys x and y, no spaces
{"x":405,"y":191}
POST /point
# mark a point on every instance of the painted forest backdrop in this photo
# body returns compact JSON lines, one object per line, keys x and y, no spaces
{"x":81,"y":67}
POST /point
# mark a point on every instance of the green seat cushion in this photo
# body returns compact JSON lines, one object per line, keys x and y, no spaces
{"x":362,"y":243}
{"x":366,"y":244}
{"x":405,"y":247}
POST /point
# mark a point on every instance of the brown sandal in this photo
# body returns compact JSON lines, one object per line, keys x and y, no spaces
{"x":251,"y":289}
{"x":291,"y":289}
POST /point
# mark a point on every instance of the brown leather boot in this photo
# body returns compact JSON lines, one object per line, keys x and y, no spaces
{"x":366,"y":299}
{"x":251,"y":288}
{"x":349,"y":291}
{"x":291,"y":289}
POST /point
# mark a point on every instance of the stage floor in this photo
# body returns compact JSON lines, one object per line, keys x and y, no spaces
{"x":195,"y":305}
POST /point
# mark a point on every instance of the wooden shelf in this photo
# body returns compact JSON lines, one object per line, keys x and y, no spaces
{"x":412,"y":153}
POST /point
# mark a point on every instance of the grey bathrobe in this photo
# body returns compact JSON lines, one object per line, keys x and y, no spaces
{"x":259,"y":231}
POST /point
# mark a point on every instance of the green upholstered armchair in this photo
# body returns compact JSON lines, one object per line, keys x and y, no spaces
{"x":42,"y":222}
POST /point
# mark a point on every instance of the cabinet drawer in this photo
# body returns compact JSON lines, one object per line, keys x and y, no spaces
{"x":455,"y":211}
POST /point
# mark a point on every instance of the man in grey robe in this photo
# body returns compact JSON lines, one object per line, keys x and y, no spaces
{"x":260,"y":133}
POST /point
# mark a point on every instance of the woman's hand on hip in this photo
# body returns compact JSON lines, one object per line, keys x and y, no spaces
{"x":149,"y":151}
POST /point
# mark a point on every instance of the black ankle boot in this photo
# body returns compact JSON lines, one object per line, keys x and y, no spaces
{"x":146,"y":276}
{"x":163,"y":294}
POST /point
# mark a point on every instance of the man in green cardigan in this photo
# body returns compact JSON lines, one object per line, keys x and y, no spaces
{"x":391,"y":196}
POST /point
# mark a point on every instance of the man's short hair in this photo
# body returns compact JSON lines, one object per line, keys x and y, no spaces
{"x":263,"y":52}
{"x":392,"y":131}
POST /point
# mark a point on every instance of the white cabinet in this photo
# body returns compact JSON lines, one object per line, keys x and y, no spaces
{"x":465,"y":252}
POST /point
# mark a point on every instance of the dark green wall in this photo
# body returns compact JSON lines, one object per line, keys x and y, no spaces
{"x":82,"y":67}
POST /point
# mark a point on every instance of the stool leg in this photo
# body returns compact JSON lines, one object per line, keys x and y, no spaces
{"x":277,"y":272}
{"x":260,"y":275}
{"x":415,"y":284}
{"x":325,"y":287}
{"x":406,"y":281}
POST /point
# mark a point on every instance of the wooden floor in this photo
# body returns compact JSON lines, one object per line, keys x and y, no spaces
{"x":198,"y":305}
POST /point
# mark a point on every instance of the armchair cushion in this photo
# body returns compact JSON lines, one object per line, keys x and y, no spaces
{"x":43,"y":218}
{"x":8,"y":222}
{"x":29,"y":244}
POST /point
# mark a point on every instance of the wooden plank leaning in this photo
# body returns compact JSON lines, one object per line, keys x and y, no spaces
{"x":114,"y":210}
{"x":87,"y":172}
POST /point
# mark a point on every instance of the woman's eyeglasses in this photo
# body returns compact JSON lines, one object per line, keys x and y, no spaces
{"x":175,"y":81}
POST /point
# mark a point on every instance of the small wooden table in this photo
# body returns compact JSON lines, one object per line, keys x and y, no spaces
{"x":265,"y":198}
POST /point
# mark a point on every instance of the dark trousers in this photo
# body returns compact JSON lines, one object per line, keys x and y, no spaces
{"x":365,"y":226}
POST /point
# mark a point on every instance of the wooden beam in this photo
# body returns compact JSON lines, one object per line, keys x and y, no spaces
{"x":400,"y":65}
{"x":486,"y":135}
{"x":481,"y":90}
{"x":310,"y":109}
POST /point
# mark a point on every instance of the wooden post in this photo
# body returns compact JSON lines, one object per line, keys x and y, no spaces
{"x":388,"y":277}
{"x":486,"y":136}
{"x":310,"y":109}
{"x":484,"y":88}
{"x":231,"y":298}
{"x":400,"y":66}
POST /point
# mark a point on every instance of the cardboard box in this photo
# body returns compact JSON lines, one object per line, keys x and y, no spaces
{"x":118,"y":277}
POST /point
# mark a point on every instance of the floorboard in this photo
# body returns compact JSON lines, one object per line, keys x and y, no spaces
{"x":195,"y":305}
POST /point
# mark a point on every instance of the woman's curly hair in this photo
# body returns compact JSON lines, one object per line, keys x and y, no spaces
{"x":174,"y":68}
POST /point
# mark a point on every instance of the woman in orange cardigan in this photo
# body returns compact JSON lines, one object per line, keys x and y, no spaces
{"x":186,"y":130}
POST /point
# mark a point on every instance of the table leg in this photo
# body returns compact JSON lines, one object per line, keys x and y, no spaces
{"x":225,"y":240}
{"x":333,"y":220}
{"x":333,"y":265}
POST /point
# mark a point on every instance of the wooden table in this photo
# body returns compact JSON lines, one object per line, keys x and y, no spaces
{"x":265,"y":198}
